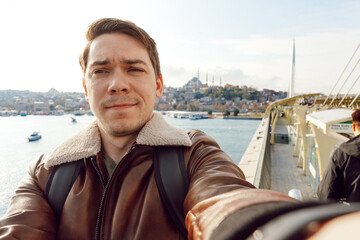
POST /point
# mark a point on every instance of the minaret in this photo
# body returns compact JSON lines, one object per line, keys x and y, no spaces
{"x":220,"y":81}
{"x":213,"y":81}
{"x":292,"y":80}
{"x":207,"y":79}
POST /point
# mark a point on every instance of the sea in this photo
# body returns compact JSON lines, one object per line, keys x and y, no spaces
{"x":16,"y":152}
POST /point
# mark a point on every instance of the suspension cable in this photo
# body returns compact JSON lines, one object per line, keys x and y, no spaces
{"x":345,"y":81}
{"x":349,"y":90}
{"x":341,"y":74}
{"x":354,"y":100}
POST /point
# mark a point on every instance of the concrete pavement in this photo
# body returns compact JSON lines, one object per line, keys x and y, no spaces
{"x":284,"y":173}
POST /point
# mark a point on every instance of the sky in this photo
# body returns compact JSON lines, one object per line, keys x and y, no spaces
{"x":240,"y":42}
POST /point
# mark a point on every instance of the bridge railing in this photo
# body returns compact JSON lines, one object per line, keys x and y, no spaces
{"x":255,"y":162}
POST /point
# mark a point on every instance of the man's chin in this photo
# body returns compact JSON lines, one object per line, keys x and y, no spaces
{"x":121,"y":130}
{"x":124,"y":125}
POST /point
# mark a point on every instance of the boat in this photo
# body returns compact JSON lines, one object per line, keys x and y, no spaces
{"x":73,"y":120}
{"x":183,"y":115}
{"x":79,"y":113}
{"x":195,"y":117}
{"x":34,"y":137}
{"x":5,"y":114}
{"x":59,"y":113}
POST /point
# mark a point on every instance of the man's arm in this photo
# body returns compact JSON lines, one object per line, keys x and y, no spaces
{"x":29,"y":215}
{"x":211,"y":171}
{"x":331,"y":184}
{"x":218,"y":190}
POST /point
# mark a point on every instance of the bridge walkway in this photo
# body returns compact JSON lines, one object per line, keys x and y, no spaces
{"x":285,"y":174}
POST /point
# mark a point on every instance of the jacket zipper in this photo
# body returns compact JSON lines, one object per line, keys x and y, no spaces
{"x":98,"y":172}
{"x":101,"y":209}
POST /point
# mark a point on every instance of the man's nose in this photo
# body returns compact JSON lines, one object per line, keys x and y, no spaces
{"x":119,"y":83}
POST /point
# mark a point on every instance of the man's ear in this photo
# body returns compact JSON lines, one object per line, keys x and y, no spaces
{"x":159,"y":86}
{"x":85,"y":89}
{"x":356,"y":129}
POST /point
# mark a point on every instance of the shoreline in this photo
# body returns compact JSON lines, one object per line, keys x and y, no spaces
{"x":245,"y":118}
{"x":214,"y":115}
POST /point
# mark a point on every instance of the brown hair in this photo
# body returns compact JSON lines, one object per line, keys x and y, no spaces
{"x":114,"y":25}
{"x":356,"y":117}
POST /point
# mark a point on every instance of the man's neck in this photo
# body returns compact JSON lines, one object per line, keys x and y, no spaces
{"x":116,"y":147}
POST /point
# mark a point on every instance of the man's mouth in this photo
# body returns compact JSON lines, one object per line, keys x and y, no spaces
{"x":121,"y":106}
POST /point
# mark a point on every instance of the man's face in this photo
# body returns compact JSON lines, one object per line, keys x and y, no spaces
{"x":120,"y":84}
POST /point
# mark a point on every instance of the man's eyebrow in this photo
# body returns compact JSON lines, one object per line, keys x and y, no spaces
{"x":99,"y":63}
{"x":124,"y":61}
{"x":133,"y":61}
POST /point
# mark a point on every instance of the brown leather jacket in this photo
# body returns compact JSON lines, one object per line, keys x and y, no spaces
{"x":126,"y":205}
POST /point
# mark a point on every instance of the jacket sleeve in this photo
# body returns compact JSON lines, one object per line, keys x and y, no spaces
{"x":236,"y":213}
{"x":218,"y":190}
{"x":29,"y":215}
{"x":331,"y":184}
{"x":211,"y":171}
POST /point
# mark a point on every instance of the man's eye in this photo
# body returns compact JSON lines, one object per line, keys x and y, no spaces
{"x":100,"y":71}
{"x":135,"y":70}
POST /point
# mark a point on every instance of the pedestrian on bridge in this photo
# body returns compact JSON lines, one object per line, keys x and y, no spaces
{"x":341,"y":179}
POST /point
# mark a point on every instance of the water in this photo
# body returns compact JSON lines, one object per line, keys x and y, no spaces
{"x":16,"y":152}
{"x":233,"y":136}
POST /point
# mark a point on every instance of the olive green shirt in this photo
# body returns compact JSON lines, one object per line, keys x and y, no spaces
{"x":109,"y":163}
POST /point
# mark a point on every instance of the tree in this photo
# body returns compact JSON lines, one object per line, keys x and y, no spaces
{"x":198,"y":95}
{"x":236,"y":112}
{"x":246,"y":95}
{"x":210,"y":112}
{"x":180,"y":107}
{"x":226,"y":113}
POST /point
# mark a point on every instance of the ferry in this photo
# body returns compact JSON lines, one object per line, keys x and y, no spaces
{"x":188,"y":115}
{"x":195,"y":117}
{"x":80,"y":112}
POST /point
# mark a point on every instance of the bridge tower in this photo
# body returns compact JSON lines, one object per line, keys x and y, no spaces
{"x":292,"y":80}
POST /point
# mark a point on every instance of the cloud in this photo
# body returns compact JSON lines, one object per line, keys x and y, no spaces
{"x":173,"y":41}
{"x":255,"y":46}
{"x":176,"y":76}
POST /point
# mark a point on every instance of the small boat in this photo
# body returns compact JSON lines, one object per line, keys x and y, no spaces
{"x":73,"y":120}
{"x":34,"y":136}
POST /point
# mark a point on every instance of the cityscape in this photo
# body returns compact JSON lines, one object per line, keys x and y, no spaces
{"x":193,"y":96}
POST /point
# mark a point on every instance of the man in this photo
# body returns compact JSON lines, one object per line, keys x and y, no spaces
{"x":341,"y":180}
{"x":115,"y":195}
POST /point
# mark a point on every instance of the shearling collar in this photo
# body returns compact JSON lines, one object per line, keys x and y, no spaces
{"x":87,"y":143}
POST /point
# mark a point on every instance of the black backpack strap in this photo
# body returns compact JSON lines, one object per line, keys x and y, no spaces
{"x":173,"y":182}
{"x":59,"y":183}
